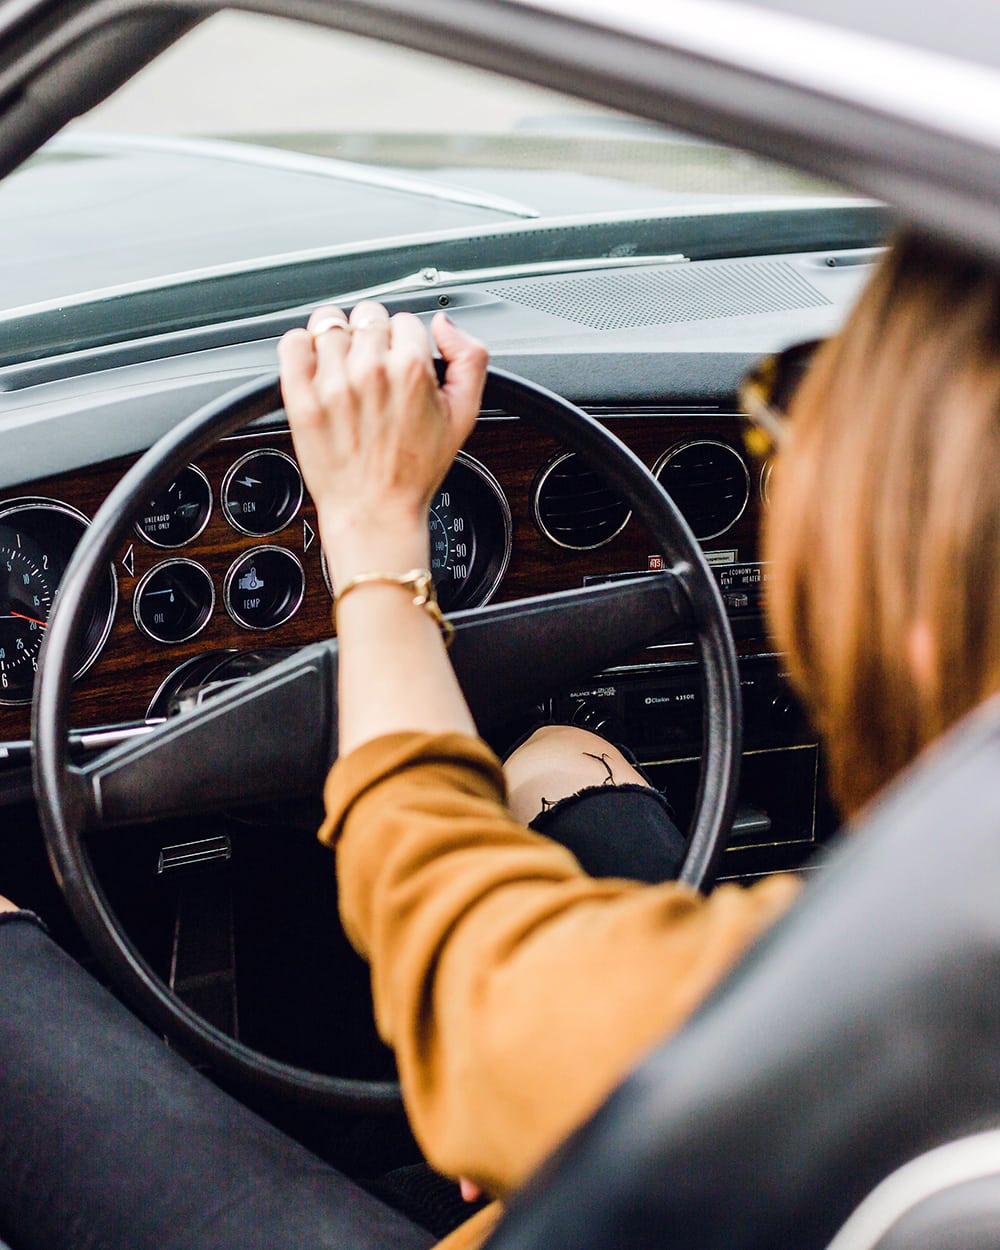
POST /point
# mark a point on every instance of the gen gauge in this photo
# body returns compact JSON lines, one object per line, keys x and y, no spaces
{"x":37,"y":539}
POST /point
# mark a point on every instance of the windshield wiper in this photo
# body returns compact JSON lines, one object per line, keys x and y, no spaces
{"x":430,"y":277}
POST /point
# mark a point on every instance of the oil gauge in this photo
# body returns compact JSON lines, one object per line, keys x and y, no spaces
{"x":174,"y":601}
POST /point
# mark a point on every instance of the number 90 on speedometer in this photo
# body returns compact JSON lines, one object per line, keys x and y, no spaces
{"x":470,"y":536}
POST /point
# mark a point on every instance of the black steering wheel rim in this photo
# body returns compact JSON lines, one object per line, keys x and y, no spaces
{"x":60,"y":801}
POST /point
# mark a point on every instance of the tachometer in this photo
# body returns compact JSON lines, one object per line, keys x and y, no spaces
{"x":26,"y":602}
{"x":37,"y":538}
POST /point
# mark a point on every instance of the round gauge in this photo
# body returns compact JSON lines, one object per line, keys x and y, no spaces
{"x":262,"y":492}
{"x":470,"y":532}
{"x":174,"y":601}
{"x":179,"y":512}
{"x":37,"y":539}
{"x":264,"y":588}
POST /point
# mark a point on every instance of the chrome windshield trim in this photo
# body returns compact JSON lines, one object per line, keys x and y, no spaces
{"x":290,"y":161}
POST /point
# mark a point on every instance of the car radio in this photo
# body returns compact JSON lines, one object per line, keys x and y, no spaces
{"x":656,"y":710}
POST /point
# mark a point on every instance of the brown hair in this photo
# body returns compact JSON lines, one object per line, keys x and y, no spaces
{"x":885,"y":513}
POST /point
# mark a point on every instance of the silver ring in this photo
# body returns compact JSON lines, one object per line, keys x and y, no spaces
{"x":329,"y":323}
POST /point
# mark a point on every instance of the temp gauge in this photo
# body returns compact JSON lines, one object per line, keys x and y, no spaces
{"x":264,"y":588}
{"x":179,"y":512}
{"x":174,"y":601}
{"x":262,"y":492}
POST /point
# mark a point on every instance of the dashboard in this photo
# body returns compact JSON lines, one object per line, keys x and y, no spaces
{"x":222,"y":571}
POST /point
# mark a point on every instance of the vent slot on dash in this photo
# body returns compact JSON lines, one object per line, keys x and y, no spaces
{"x":574,"y":507}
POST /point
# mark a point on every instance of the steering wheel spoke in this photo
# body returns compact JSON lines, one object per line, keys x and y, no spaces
{"x":269,"y":737}
{"x":515,"y":654}
{"x":273,"y":736}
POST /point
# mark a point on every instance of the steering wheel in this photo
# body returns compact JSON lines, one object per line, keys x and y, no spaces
{"x":275,"y":735}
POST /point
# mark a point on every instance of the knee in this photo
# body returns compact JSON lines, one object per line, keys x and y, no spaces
{"x":559,"y":760}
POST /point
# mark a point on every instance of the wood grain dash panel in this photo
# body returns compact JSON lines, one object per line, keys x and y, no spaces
{"x":131,"y":668}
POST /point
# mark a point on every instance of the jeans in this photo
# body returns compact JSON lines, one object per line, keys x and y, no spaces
{"x":108,"y":1139}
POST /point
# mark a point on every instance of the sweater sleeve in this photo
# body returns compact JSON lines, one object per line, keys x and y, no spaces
{"x":515,"y":990}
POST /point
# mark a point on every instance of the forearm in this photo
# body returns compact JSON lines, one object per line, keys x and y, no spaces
{"x":394,"y":672}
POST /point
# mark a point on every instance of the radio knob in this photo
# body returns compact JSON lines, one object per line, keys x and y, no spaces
{"x":598,"y":719}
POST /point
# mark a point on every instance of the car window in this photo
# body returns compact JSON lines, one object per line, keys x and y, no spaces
{"x":257,"y":138}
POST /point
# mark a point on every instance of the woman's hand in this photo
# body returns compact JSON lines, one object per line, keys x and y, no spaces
{"x":373,"y":431}
{"x":375,"y":435}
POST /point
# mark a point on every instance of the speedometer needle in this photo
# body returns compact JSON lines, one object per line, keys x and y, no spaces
{"x":22,"y":617}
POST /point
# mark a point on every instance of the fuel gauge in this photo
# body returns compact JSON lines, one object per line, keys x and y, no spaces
{"x":179,"y":512}
{"x":174,"y":601}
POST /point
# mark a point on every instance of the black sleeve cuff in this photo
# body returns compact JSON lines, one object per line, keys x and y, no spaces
{"x":25,"y":916}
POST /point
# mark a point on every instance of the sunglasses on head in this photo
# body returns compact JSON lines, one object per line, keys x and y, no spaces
{"x":765,"y":394}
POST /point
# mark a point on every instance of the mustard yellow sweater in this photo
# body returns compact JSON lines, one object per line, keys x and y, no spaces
{"x":515,"y":990}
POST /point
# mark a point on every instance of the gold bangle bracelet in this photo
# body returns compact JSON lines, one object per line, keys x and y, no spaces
{"x":419,"y":581}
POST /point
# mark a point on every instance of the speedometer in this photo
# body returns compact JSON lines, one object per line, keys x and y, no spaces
{"x":470,"y":533}
{"x":37,"y":538}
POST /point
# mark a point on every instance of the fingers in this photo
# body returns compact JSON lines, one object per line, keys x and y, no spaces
{"x":369,"y":347}
{"x":331,"y":337}
{"x":467,"y":359}
{"x":369,"y":321}
{"x":297,"y":359}
{"x":364,"y":349}
{"x":411,"y":347}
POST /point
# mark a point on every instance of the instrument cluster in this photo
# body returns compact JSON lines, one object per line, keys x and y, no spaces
{"x":226,"y":558}
{"x":179,"y":589}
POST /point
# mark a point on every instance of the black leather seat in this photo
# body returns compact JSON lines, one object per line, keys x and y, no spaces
{"x":861,"y":1032}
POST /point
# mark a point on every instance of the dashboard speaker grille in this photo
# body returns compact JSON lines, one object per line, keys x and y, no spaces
{"x":665,"y":294}
{"x":574,"y":507}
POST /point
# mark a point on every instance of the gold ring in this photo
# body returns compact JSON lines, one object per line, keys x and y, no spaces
{"x":329,"y":323}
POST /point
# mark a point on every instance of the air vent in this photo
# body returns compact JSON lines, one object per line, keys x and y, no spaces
{"x":708,"y":482}
{"x":666,"y":294}
{"x":574,"y":507}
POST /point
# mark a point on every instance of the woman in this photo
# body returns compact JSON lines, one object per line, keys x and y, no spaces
{"x":484,"y":981}
{"x":486,"y":940}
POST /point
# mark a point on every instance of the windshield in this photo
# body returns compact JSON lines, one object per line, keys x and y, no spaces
{"x":255,"y":142}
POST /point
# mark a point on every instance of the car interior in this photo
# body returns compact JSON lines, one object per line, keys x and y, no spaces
{"x":624,"y":276}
